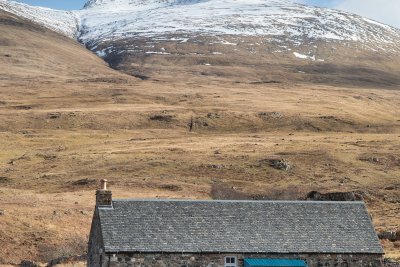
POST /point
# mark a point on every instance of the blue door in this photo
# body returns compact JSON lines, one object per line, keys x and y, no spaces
{"x":274,"y":263}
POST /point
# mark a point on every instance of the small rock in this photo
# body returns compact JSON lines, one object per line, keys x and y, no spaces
{"x":370,"y":159}
{"x":49,"y":157}
{"x":279,"y":164}
{"x":392,"y":187}
{"x":171,"y":187}
{"x":163,"y":118}
{"x":4,"y":180}
{"x":2,"y":213}
{"x":83,"y":182}
{"x":54,"y":115}
{"x":273,"y":115}
{"x":214,"y":166}
{"x":213,"y":115}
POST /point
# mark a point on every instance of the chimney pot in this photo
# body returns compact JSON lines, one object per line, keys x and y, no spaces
{"x":103,"y":184}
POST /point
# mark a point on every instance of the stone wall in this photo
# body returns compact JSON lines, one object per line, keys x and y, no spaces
{"x":95,"y":243}
{"x":217,"y":260}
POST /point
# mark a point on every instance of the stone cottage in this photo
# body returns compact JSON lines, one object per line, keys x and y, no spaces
{"x":183,"y":233}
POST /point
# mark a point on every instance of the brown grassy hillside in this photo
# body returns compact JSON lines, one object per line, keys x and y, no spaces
{"x":67,"y":120}
{"x":255,"y":60}
{"x":31,"y":53}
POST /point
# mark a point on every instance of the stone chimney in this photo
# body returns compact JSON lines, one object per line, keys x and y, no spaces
{"x":103,"y":195}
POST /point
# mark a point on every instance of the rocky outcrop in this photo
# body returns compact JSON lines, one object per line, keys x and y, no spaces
{"x":29,"y":264}
{"x":333,"y":196}
{"x":279,"y":164}
{"x":390,"y":235}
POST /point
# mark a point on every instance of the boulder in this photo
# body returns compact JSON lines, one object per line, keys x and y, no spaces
{"x":279,"y":164}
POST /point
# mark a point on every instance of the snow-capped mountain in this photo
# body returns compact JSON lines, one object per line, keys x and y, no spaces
{"x":129,"y":31}
{"x":107,"y":19}
{"x":104,"y":20}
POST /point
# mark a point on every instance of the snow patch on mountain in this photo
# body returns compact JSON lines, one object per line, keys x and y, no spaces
{"x":301,"y":56}
{"x":123,"y":4}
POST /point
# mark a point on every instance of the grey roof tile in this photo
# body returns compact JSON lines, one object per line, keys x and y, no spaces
{"x":238,"y":226}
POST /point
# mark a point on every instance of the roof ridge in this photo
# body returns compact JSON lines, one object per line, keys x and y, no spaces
{"x":231,"y":201}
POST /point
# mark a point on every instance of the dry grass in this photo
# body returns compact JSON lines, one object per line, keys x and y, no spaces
{"x":62,"y":132}
{"x":43,"y":160}
{"x":77,"y":264}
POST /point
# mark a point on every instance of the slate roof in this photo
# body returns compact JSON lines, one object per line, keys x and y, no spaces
{"x":238,"y":227}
